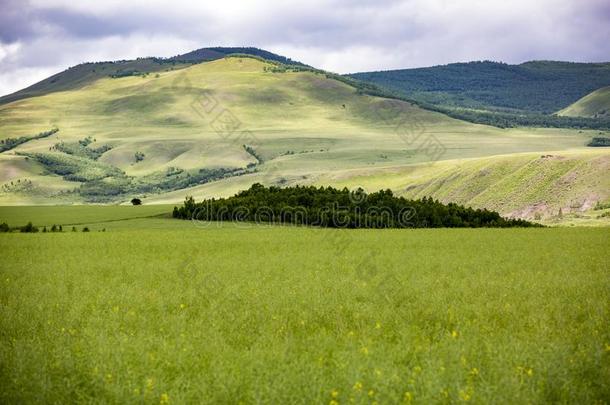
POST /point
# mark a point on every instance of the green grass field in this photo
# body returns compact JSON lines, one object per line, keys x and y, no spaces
{"x":79,"y":214}
{"x":156,"y":310}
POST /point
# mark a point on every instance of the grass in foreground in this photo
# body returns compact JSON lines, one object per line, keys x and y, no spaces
{"x":78,"y":214}
{"x":282,"y":315}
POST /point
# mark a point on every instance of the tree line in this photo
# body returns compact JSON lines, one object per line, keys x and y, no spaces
{"x":330,"y":207}
{"x":30,"y":228}
{"x":10,"y":143}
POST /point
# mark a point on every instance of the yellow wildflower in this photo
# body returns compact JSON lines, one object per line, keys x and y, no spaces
{"x":371,"y":393}
{"x":164,"y":399}
{"x":377,"y":325}
{"x":454,"y":334}
{"x":464,"y":395}
{"x":364,"y":351}
{"x":408,"y":397}
{"x":358,"y":386}
{"x":334,"y":393}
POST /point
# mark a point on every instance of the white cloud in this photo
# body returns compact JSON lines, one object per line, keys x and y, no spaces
{"x":8,"y":51}
{"x":22,"y":78}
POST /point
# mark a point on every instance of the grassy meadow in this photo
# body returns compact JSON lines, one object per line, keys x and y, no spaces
{"x":156,"y":310}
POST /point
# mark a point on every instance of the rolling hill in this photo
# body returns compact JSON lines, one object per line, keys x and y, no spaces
{"x":593,"y":105}
{"x":214,"y":128}
{"x":83,"y":74}
{"x":525,"y":185}
{"x":532,"y":87}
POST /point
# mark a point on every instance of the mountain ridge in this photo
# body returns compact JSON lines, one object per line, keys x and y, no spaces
{"x":85,"y":73}
{"x":533,"y":86}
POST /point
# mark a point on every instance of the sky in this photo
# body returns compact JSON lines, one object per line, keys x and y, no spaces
{"x":41,"y":37}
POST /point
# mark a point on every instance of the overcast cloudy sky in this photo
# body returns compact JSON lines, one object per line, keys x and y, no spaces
{"x":41,"y":37}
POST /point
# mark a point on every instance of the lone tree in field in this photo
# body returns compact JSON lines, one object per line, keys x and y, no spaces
{"x":136,"y":201}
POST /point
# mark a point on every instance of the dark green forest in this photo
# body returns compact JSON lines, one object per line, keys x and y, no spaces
{"x":333,"y":208}
{"x":534,"y":87}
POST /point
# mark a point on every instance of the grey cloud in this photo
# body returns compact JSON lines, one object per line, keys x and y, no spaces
{"x":339,"y":35}
{"x":15,"y":22}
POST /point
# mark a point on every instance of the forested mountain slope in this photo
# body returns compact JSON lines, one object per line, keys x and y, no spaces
{"x":538,"y":86}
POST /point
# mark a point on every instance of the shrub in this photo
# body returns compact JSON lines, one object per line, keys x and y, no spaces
{"x":599,"y":141}
{"x":601,"y":206}
{"x":82,"y":149}
{"x":136,"y":201}
{"x":10,"y":143}
{"x":85,"y":229}
{"x":4,"y":227}
{"x":29,"y":228}
{"x":75,"y":168}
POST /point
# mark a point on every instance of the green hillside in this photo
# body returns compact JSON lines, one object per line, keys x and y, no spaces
{"x":532,"y":87}
{"x":594,"y":105}
{"x":528,"y":185}
{"x":84,"y":74}
{"x":215,"y":128}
